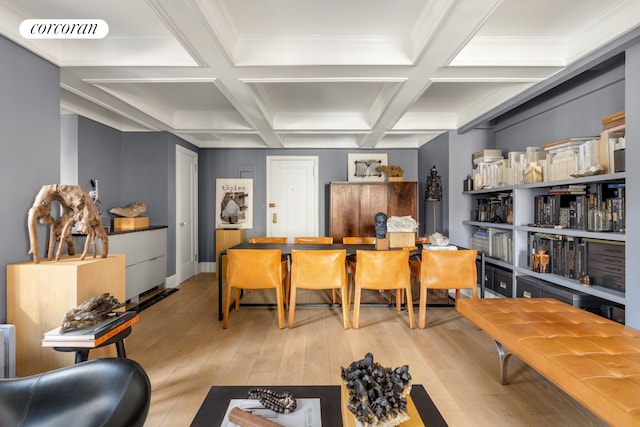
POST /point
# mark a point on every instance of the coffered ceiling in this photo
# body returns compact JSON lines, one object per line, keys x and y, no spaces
{"x":312,"y":73}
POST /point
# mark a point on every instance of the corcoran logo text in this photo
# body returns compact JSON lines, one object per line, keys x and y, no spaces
{"x":64,"y":29}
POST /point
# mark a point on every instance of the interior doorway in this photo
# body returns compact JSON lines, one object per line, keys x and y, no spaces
{"x":292,"y":196}
{"x":186,"y":214}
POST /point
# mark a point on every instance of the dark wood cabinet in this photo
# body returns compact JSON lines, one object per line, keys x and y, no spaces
{"x":352,"y":206}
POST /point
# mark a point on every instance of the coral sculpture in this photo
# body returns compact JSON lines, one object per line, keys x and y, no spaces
{"x":377,"y":395}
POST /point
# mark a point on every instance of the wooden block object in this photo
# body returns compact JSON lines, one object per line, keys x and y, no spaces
{"x":39,"y":295}
{"x":349,"y":420}
{"x":226,"y":238}
{"x":401,"y":239}
{"x":139,"y":222}
{"x":382,"y":244}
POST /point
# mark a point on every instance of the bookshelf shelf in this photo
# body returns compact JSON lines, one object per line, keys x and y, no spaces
{"x":598,"y":291}
{"x":545,"y":184}
{"x":490,"y":224}
{"x":613,"y":236}
{"x":522,"y":202}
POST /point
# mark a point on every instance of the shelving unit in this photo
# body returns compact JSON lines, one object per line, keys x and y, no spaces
{"x":523,"y":216}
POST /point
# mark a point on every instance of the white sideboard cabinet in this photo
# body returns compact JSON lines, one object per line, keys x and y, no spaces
{"x":145,"y":254}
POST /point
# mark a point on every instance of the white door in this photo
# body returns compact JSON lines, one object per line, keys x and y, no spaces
{"x":186,"y":213}
{"x":292,"y":196}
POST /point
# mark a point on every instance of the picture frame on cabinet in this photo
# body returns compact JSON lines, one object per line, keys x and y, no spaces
{"x":363,"y":167}
{"x":234,"y":203}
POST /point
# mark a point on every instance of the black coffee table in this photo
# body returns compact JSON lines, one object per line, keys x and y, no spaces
{"x":214,"y":407}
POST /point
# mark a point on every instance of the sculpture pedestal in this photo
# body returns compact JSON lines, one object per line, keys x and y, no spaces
{"x":122,"y":224}
{"x":39,"y":295}
{"x":433,"y":217}
{"x":226,"y":238}
{"x":382,"y":244}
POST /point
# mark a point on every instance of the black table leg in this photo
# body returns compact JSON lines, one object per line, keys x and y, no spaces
{"x":82,"y":355}
{"x":220,"y":286}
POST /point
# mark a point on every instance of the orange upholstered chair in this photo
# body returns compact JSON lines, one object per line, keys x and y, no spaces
{"x":318,"y":269}
{"x":285,"y":262}
{"x":317,"y":240}
{"x":254,"y":269}
{"x":276,"y":240}
{"x":446,"y":270}
{"x":382,"y":270}
{"x":351,"y":259}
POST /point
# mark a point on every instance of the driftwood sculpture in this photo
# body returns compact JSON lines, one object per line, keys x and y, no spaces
{"x":90,"y":312}
{"x":132,"y":210}
{"x":77,"y":208}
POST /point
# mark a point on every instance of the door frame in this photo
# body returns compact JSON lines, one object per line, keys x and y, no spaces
{"x":316,"y":186}
{"x":194,"y":208}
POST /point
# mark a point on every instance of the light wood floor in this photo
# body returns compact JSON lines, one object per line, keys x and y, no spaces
{"x":185,"y":351}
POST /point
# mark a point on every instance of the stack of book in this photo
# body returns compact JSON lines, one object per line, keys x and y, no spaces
{"x":613,"y":120}
{"x":91,"y":336}
{"x":613,"y":136}
{"x":567,"y":254}
{"x":569,"y":156}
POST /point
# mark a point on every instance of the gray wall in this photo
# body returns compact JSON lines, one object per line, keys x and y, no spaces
{"x":133,"y":166}
{"x":461,"y":149}
{"x":99,"y":157}
{"x":571,"y":110}
{"x":227,"y":163}
{"x":30,"y":124}
{"x":130,"y":166}
{"x":434,"y":153}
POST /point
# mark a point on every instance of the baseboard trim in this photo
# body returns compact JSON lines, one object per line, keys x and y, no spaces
{"x":207,"y":267}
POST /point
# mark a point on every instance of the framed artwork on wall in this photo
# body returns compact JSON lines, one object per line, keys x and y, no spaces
{"x":234,"y":203}
{"x":364,"y":166}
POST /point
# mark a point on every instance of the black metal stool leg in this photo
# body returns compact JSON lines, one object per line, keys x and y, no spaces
{"x":82,"y":355}
{"x":120,"y":349}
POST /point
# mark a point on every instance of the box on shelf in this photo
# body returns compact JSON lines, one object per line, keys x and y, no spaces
{"x":618,"y":156}
{"x":120,"y":224}
{"x":487,"y":156}
{"x":401,"y":239}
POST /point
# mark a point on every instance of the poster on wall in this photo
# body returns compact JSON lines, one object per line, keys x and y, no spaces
{"x":364,"y":166}
{"x":234,"y":203}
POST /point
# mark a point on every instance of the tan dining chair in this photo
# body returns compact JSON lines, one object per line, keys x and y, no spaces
{"x":319,"y":269}
{"x":276,"y":240}
{"x":382,"y":270}
{"x":254,"y":269}
{"x":317,"y":240}
{"x":285,"y":261}
{"x":446,"y":270}
{"x":358,"y":240}
{"x":351,"y":259}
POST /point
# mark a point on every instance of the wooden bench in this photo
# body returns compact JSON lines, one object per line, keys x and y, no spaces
{"x":593,"y":359}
